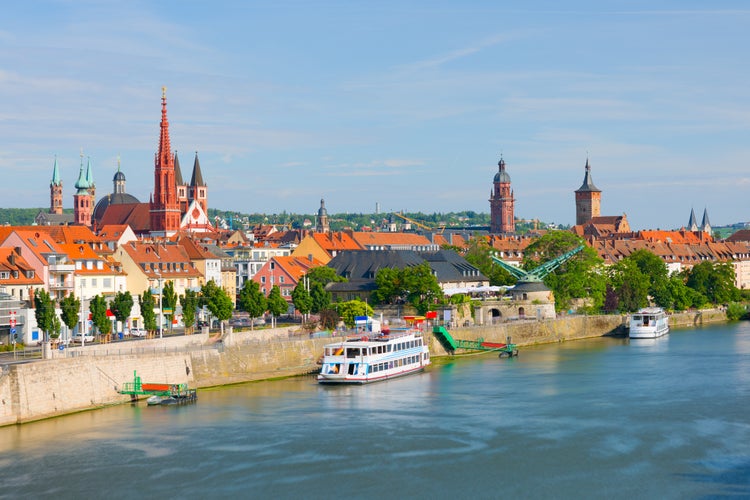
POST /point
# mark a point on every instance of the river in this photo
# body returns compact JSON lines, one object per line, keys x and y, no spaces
{"x":598,"y":418}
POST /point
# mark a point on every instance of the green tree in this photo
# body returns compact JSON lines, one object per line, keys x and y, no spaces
{"x":421,"y":286}
{"x":324,"y":275}
{"x":321,"y":299}
{"x":276,"y":304}
{"x":252,"y":300}
{"x":389,"y":283}
{"x":98,"y":306}
{"x":70,"y":308}
{"x":351,"y":309}
{"x":656,"y":272}
{"x":478,"y":254}
{"x":147,"y":303}
{"x":217,"y":301}
{"x":189,"y":303}
{"x":581,"y":276}
{"x":169,"y":301}
{"x":121,"y":306}
{"x":715,"y":281}
{"x":44,"y":311}
{"x":301,"y":298}
{"x":630,"y":284}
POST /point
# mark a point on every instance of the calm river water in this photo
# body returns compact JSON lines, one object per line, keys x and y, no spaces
{"x":601,"y":418}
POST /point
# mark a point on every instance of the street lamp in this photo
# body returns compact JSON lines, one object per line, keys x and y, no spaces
{"x":161,"y":293}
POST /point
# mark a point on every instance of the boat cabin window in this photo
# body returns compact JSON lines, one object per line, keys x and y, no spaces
{"x":352,"y":352}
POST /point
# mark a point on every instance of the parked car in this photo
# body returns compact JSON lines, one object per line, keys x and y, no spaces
{"x":137,"y":332}
{"x":76,"y":339}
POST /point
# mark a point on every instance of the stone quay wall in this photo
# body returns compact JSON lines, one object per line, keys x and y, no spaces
{"x":81,"y":379}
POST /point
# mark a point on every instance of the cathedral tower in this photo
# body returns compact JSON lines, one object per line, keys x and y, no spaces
{"x":83,"y":203}
{"x":502,"y":203}
{"x":164,"y":208}
{"x":588,"y":199}
{"x":56,"y":191}
{"x":198,"y":191}
{"x":321,"y":223}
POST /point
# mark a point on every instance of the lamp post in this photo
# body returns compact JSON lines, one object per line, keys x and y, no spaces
{"x":83,"y":320}
{"x":161,"y":317}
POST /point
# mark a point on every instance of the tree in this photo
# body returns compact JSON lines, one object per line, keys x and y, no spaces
{"x":147,"y":303}
{"x":276,"y":304}
{"x":122,"y":306}
{"x":630,"y":284}
{"x":657,"y":274}
{"x":217,"y":301}
{"x":321,"y":299}
{"x":478,"y":255}
{"x":189,"y":303}
{"x":581,"y":276}
{"x":389,"y":286}
{"x":70,"y":307}
{"x":252,"y":300}
{"x":44,"y":311}
{"x":169,"y":301}
{"x":351,"y":309}
{"x":713,"y":280}
{"x":421,"y":286}
{"x":329,"y":318}
{"x":301,"y":298}
{"x":98,"y":306}
{"x":324,"y":275}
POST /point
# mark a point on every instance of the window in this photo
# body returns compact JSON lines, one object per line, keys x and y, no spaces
{"x":281,"y":279}
{"x":93,"y":282}
{"x":107,"y":283}
{"x":263,"y":279}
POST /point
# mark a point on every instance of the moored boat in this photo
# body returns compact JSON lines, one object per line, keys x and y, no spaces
{"x":648,"y":323}
{"x":374,"y":356}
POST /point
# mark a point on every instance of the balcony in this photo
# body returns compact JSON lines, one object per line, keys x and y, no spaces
{"x":61,"y":268}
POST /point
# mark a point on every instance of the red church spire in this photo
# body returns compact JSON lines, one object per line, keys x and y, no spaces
{"x":165,"y":211}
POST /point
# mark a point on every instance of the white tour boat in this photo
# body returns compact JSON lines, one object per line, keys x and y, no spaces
{"x":648,"y":323}
{"x":371,"y":357}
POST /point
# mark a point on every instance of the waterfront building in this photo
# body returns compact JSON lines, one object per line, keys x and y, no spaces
{"x":502,"y":203}
{"x":284,"y":272}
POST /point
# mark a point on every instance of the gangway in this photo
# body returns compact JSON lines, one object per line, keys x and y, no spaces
{"x":137,"y":388}
{"x":450,"y":344}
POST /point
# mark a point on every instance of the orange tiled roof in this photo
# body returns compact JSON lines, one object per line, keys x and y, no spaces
{"x":172,"y":261}
{"x":297,"y":267}
{"x":336,"y":242}
{"x":11,"y":261}
{"x":390,"y":239}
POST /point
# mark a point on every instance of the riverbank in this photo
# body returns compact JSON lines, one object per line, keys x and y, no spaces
{"x":86,"y":378}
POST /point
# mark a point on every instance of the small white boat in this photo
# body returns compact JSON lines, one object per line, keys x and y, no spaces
{"x":372,"y":357}
{"x":648,"y":323}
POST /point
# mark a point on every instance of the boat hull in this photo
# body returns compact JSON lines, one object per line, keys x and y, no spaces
{"x":361,"y":380}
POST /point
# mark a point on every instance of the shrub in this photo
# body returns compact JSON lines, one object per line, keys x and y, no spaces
{"x":736,"y":311}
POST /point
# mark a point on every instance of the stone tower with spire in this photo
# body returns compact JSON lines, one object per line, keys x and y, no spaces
{"x":693,"y":222}
{"x":56,"y":191}
{"x":705,"y":223}
{"x":198,"y":191}
{"x":502,"y":203}
{"x":83,"y":202}
{"x":321,"y":222}
{"x":182,"y":187}
{"x":164,"y":208}
{"x":588,"y":199}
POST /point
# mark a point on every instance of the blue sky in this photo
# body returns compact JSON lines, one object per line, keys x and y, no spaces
{"x":408,"y":104}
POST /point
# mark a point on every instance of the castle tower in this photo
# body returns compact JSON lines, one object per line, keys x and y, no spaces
{"x":588,"y":199}
{"x":321,"y":223}
{"x":56,"y":191}
{"x":502,"y":203}
{"x":164,"y":209}
{"x":198,"y":190}
{"x":83,"y":203}
{"x":182,"y":188}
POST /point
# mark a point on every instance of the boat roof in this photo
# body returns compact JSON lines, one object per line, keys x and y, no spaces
{"x":651,"y":310}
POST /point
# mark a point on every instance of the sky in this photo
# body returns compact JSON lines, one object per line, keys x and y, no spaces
{"x":404,"y":104}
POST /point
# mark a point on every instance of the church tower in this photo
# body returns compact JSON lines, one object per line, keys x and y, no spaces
{"x":321,"y":223}
{"x":705,"y":223}
{"x":588,"y":199}
{"x":502,"y":203}
{"x":164,"y":209}
{"x":182,"y":188}
{"x":56,"y":191}
{"x":83,"y":203}
{"x":198,"y":190}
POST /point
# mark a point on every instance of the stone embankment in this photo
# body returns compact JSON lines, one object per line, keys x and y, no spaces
{"x":79,"y":379}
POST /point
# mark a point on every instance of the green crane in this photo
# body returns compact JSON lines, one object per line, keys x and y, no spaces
{"x":538,"y":273}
